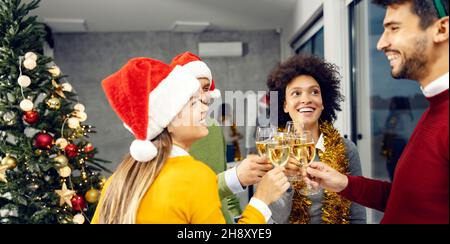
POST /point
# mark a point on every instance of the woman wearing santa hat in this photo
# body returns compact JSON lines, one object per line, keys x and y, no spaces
{"x":159,"y":182}
{"x":231,"y":181}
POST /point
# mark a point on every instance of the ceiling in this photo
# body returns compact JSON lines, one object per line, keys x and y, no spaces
{"x":161,"y":15}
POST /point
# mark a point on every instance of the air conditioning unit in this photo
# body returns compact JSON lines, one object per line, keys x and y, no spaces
{"x":220,"y":49}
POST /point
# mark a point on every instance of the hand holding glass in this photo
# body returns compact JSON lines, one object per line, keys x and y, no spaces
{"x":306,"y":153}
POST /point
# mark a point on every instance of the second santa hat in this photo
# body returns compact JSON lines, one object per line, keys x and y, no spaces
{"x":198,"y":68}
{"x":147,"y":95}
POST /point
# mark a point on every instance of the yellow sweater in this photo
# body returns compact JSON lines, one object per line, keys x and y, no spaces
{"x":185,"y":192}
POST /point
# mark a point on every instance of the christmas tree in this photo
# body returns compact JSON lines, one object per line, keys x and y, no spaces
{"x":48,"y":172}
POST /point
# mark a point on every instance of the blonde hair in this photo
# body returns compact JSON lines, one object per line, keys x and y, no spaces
{"x":129,"y":184}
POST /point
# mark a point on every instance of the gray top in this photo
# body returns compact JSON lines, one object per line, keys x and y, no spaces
{"x":281,"y":208}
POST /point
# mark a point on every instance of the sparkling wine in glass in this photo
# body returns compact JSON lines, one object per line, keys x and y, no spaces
{"x":278,"y":149}
{"x":307,"y":154}
{"x":294,"y":130}
{"x":263,"y":136}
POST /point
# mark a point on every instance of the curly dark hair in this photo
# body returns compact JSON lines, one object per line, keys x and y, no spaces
{"x":326,"y":74}
{"x":425,"y":9}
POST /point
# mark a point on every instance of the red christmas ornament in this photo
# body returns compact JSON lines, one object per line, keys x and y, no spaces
{"x":71,"y":150}
{"x":31,"y":117}
{"x":78,"y":203}
{"x":89,"y":148}
{"x":43,"y":141}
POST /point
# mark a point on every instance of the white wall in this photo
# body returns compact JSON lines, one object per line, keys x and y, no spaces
{"x":304,"y":9}
{"x":336,"y":51}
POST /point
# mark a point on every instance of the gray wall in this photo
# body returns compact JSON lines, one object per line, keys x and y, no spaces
{"x":88,"y":58}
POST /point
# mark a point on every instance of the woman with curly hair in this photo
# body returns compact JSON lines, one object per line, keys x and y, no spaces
{"x":308,"y":90}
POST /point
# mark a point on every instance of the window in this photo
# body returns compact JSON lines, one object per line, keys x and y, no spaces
{"x":315,"y":45}
{"x":310,"y":39}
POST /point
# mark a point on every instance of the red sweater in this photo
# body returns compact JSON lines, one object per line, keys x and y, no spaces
{"x":420,"y":190}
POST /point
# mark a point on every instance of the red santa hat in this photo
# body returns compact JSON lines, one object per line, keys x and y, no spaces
{"x":147,"y":95}
{"x":198,"y":68}
{"x":264,"y":101}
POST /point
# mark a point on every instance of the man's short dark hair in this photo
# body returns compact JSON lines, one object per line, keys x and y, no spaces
{"x":425,"y":9}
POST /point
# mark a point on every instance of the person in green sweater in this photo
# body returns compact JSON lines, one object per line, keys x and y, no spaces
{"x":201,"y":150}
{"x":212,"y":148}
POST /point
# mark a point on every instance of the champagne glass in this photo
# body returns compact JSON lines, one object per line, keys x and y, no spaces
{"x":298,"y":153}
{"x":294,"y":127}
{"x":263,"y":136}
{"x":278,"y":149}
{"x":307,"y":154}
{"x":294,"y":130}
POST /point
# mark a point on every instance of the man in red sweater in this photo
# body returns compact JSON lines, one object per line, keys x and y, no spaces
{"x":415,"y":41}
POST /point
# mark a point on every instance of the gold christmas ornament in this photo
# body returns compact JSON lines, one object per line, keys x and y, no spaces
{"x":55,"y":71}
{"x":61,"y":143}
{"x":92,"y":196}
{"x":79,"y":107}
{"x":102,"y":182}
{"x":31,"y":55}
{"x":61,"y":161}
{"x":3,"y":169}
{"x":24,"y":81}
{"x":83,"y":174}
{"x":78,"y":219}
{"x":26,"y":105}
{"x":59,"y":89}
{"x":38,"y":152}
{"x":64,"y":171}
{"x":67,"y":87}
{"x":9,"y":161}
{"x":54,"y":103}
{"x":77,"y":133}
{"x":29,"y":64}
{"x":73,"y":123}
{"x":65,"y":195}
{"x":65,"y":221}
{"x":82,"y":116}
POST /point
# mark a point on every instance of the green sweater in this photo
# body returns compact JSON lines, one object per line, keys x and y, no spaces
{"x":212,"y":151}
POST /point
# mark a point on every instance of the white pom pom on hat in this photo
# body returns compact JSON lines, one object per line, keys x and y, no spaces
{"x":214,"y":92}
{"x":143,"y":151}
{"x":147,"y":95}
